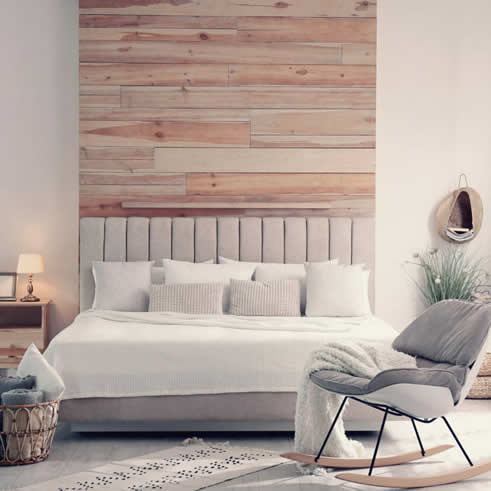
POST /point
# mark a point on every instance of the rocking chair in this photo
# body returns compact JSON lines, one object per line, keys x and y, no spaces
{"x":449,"y":343}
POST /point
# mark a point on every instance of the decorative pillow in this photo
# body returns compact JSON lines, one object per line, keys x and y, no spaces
{"x":123,"y":286}
{"x":47,"y":378}
{"x":158,"y":272}
{"x":271,"y":298}
{"x":277,"y":271}
{"x":187,"y":298}
{"x":337,"y":290}
{"x":177,"y":272}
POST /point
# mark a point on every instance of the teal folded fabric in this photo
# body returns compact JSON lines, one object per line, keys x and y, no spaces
{"x":10,"y":383}
{"x":22,"y":397}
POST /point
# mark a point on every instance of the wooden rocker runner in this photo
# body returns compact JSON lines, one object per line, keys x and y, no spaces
{"x":449,"y":343}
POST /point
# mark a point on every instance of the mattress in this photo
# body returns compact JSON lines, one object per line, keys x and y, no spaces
{"x":107,"y":354}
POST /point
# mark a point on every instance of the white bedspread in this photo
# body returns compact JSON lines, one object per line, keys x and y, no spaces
{"x":118,"y":354}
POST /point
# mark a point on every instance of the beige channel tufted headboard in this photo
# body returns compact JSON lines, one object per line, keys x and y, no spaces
{"x":266,"y":239}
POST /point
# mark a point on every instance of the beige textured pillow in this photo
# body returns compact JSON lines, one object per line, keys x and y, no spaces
{"x":272,"y":298}
{"x":187,"y":298}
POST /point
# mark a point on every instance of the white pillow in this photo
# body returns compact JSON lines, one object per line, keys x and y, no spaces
{"x":337,"y":290}
{"x":187,"y":298}
{"x":47,"y":378}
{"x":278,"y":271}
{"x":158,"y":272}
{"x":226,"y":260}
{"x":273,"y":298}
{"x":177,"y":272}
{"x":123,"y":286}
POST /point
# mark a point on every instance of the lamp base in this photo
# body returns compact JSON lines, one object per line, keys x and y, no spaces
{"x":29,"y":298}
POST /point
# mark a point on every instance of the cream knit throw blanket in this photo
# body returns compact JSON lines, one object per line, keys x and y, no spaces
{"x":316,"y":408}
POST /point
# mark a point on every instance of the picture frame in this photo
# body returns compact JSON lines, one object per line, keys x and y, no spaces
{"x":8,"y":284}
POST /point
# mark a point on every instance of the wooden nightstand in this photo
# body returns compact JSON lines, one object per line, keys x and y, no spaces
{"x":22,"y":323}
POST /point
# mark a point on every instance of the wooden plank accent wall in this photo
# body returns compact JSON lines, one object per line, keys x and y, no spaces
{"x":205,"y":107}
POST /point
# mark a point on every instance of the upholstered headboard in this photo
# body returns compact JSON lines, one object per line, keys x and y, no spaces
{"x":267,"y":239}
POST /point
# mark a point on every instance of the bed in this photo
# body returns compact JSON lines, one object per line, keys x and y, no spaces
{"x":176,"y":372}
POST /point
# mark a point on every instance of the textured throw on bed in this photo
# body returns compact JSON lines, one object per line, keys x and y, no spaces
{"x":316,"y":408}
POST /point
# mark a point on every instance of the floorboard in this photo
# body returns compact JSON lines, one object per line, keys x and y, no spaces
{"x":74,"y":452}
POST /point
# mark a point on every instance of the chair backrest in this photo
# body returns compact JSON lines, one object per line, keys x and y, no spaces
{"x":451,"y":331}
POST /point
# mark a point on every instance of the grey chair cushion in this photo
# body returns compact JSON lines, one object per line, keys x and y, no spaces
{"x":427,"y":373}
{"x":451,"y":331}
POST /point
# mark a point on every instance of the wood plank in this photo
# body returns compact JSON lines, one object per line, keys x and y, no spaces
{"x":265,"y":160}
{"x":158,"y":21}
{"x":116,"y":153}
{"x":121,"y":165}
{"x":290,"y":29}
{"x":163,"y":114}
{"x":312,"y":141}
{"x":131,"y":192}
{"x":105,"y":209}
{"x":152,"y":74}
{"x":213,"y":53}
{"x":359,"y":54}
{"x":163,"y":133}
{"x":96,"y":89}
{"x":100,"y":101}
{"x":248,"y":97}
{"x":318,"y":75}
{"x":320,"y":122}
{"x":128,"y":179}
{"x":260,"y":183}
{"x":290,"y":8}
{"x":352,"y":203}
{"x":154,"y":34}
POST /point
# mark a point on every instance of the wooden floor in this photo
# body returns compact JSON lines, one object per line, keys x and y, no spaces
{"x":78,"y":452}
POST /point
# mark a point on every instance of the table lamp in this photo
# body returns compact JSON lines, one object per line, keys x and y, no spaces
{"x":29,"y":264}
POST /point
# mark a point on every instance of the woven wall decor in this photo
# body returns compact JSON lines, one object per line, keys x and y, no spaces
{"x":459,"y":215}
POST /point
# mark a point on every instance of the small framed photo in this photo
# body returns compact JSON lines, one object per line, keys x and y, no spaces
{"x":8,"y":283}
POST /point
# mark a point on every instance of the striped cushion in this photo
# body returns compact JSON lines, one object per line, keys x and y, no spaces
{"x":187,"y":298}
{"x":272,"y":298}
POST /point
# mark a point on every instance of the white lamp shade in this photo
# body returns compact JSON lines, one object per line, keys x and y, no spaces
{"x":30,"y":263}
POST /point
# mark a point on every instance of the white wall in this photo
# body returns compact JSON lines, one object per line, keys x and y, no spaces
{"x":433,"y":122}
{"x":39,"y":146}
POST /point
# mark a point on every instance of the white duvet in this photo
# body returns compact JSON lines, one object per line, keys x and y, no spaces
{"x":118,"y":354}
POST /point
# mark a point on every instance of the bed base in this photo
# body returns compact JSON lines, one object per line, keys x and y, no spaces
{"x":206,"y":426}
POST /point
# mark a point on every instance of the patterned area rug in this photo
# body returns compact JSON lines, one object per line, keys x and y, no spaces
{"x":191,"y":467}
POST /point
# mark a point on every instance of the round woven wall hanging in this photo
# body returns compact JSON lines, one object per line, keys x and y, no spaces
{"x":459,"y":216}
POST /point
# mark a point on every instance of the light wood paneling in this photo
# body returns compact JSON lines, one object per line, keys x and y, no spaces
{"x":157,"y":21}
{"x":131,"y":179}
{"x":249,"y":184}
{"x":216,"y":53}
{"x":166,"y":133}
{"x":152,"y":74}
{"x":164,"y":114}
{"x":264,"y":160}
{"x":121,"y":165}
{"x":292,"y":8}
{"x":161,"y":34}
{"x":116,"y":153}
{"x":317,"y":75}
{"x":248,"y":97}
{"x":221,"y":107}
{"x":312,"y":141}
{"x":320,"y":122}
{"x":288,"y":29}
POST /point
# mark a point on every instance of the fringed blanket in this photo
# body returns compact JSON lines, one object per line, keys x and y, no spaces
{"x":316,"y":408}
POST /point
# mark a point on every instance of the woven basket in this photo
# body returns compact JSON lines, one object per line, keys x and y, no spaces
{"x":485,"y":370}
{"x":27,"y":432}
{"x":481,"y":389}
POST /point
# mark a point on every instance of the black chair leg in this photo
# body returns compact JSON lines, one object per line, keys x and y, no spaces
{"x":330,"y":429}
{"x":423,"y":453}
{"x":458,"y":441}
{"x":378,"y":441}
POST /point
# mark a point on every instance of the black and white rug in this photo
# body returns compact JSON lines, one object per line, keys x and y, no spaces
{"x":194,"y":466}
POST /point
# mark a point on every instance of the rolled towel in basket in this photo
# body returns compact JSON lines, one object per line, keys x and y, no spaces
{"x":10,"y":383}
{"x":22,"y":425}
